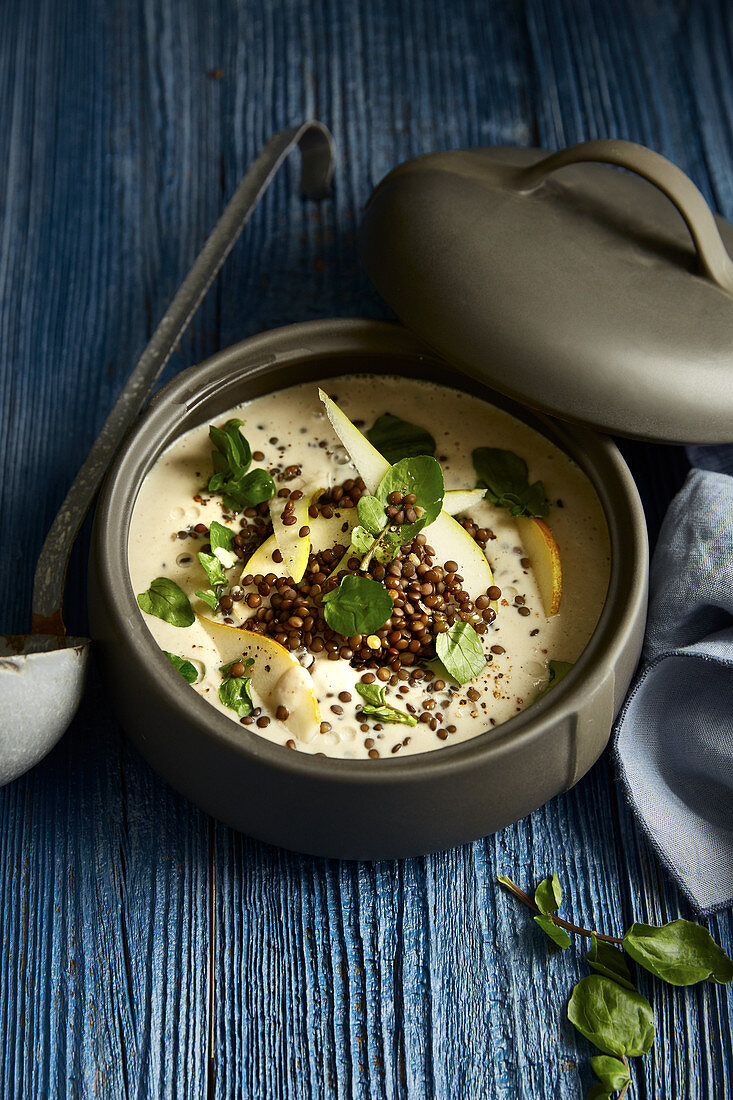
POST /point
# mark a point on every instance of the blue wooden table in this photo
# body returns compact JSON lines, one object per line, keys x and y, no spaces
{"x":146,"y":950}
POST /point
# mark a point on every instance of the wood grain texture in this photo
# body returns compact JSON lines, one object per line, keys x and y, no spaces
{"x":124,"y":127}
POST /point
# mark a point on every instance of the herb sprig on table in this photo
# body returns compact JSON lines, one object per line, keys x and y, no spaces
{"x":605,"y":1007}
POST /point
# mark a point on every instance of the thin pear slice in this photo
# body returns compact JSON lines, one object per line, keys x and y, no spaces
{"x":544,"y":553}
{"x":450,"y":541}
{"x":462,"y":500}
{"x":372,"y":466}
{"x":278,"y":679}
{"x":294,"y":547}
{"x":325,"y":533}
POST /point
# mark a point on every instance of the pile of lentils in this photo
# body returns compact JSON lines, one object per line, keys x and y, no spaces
{"x":428,"y":596}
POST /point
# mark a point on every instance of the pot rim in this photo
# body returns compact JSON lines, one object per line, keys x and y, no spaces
{"x":316,"y":342}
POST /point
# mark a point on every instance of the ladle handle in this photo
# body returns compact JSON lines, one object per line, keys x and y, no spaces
{"x":670,"y":179}
{"x":316,"y":147}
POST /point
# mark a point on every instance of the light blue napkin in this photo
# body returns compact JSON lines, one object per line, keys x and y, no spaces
{"x":674,"y":736}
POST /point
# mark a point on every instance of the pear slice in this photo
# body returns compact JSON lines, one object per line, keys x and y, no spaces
{"x":544,"y":553}
{"x":278,"y":679}
{"x":294,"y":547}
{"x":324,"y":534}
{"x":450,"y":541}
{"x":372,"y":466}
{"x":462,"y":500}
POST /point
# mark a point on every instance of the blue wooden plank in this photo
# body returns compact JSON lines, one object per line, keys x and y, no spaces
{"x":125,"y":127}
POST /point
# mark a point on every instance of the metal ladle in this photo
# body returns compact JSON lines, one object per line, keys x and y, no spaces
{"x":42,"y":673}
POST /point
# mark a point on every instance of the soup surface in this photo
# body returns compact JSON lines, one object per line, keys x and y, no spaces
{"x":320,"y":668}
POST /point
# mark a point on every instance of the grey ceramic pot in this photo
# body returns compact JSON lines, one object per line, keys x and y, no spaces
{"x":356,"y":809}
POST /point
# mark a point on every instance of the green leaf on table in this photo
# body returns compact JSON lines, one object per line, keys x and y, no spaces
{"x":213,"y":569}
{"x":359,"y":605}
{"x":617,"y":1020}
{"x":167,"y":601}
{"x":612,"y":1073}
{"x":234,"y":693}
{"x":548,"y":895}
{"x":557,"y":670}
{"x":208,"y":597}
{"x":376,"y":706}
{"x":506,"y":479}
{"x":396,"y":438}
{"x":186,"y":669}
{"x":558,"y":935}
{"x":460,"y":652}
{"x":220,"y":537}
{"x":681,"y":953}
{"x":598,"y":1092}
{"x":608,"y":960}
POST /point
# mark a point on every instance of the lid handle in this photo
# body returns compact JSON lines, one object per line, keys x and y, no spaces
{"x":670,"y":179}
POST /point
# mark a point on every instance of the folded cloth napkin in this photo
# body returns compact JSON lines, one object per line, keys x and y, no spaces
{"x":674,"y":736}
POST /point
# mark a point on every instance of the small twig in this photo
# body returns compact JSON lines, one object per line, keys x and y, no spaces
{"x":529,"y":902}
{"x":370,"y":552}
{"x":625,"y":1089}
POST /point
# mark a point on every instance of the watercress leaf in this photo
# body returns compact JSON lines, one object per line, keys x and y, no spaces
{"x":166,"y":601}
{"x":617,"y":1020}
{"x":371,"y":514}
{"x":186,"y":669}
{"x":557,"y":671}
{"x":248,"y":490}
{"x":246,"y":661}
{"x":611,"y":1072}
{"x":396,"y":438}
{"x":361,"y":541}
{"x":422,"y":476}
{"x":377,"y":707}
{"x":557,"y":935}
{"x":220,"y":536}
{"x":234,"y":693}
{"x":208,"y":597}
{"x":680,"y":953}
{"x":506,"y":479}
{"x":388,"y":714}
{"x":459,"y":650}
{"x":232,"y":445}
{"x":608,"y":960}
{"x":598,"y":1092}
{"x":548,"y":895}
{"x":213,"y":568}
{"x":359,"y":605}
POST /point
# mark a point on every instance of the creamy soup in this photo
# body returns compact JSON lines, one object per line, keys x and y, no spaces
{"x":529,"y":596}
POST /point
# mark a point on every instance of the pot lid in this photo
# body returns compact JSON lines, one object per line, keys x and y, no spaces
{"x":597,"y":295}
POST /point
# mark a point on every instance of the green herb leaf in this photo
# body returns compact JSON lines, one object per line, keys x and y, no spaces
{"x":459,"y":650}
{"x":396,"y":438}
{"x":608,"y":960}
{"x":598,"y":1092}
{"x":234,"y":693}
{"x":220,"y":537}
{"x":680,"y":953}
{"x":557,"y":935}
{"x":423,"y":477}
{"x":557,"y":670}
{"x":611,"y":1072}
{"x":231,"y":446}
{"x":186,"y":669}
{"x":371,"y":514}
{"x":248,"y":490}
{"x":377,"y":707}
{"x":209,"y":597}
{"x":166,"y":601}
{"x":213,"y":568}
{"x":506,"y":478}
{"x":246,"y":661}
{"x":358,"y":606}
{"x":618,"y":1021}
{"x":548,"y":895}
